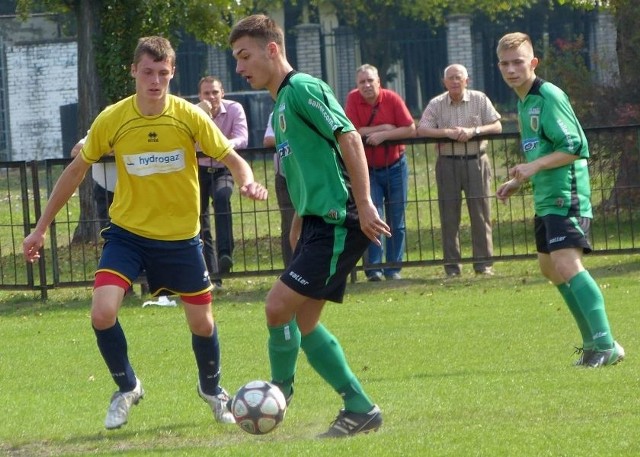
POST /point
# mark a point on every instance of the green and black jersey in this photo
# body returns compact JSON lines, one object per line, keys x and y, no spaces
{"x":549,"y":124}
{"x":306,"y":117}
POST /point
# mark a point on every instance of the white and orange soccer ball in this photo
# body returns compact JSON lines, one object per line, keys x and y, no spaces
{"x":258,"y":407}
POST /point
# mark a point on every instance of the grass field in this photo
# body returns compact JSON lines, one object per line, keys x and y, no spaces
{"x":464,"y":367}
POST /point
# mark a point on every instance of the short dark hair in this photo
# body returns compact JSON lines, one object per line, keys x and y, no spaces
{"x":157,"y":47}
{"x":209,"y":79}
{"x":260,"y":27}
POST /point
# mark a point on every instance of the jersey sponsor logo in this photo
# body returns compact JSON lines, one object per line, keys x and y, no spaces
{"x":571,"y":146}
{"x":529,"y":144}
{"x":297,"y":277}
{"x":153,"y":137}
{"x":150,"y":163}
{"x":325,"y":114}
{"x":557,"y":239}
{"x":284,"y":150}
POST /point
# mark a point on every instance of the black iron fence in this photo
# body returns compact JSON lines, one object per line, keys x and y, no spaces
{"x":66,"y":262}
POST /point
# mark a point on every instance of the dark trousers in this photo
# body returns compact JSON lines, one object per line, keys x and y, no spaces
{"x":216,"y":185}
{"x":286,"y":216}
{"x":103,"y":199}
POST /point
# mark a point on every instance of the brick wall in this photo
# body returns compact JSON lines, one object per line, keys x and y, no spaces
{"x":41,"y":77}
{"x":308,"y":49}
{"x":459,"y":42}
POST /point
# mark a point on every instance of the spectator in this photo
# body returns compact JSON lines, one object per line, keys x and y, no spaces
{"x":461,"y":114}
{"x":381,"y":115}
{"x":284,"y":201}
{"x":556,"y":153}
{"x":154,"y":219}
{"x":104,"y":184}
{"x":216,"y":182}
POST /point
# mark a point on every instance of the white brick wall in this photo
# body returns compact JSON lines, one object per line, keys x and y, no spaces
{"x":40,"y":78}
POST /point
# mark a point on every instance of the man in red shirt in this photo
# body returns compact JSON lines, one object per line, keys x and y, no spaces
{"x":381,"y":115}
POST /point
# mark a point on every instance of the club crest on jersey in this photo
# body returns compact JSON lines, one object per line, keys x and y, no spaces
{"x":534,"y":118}
{"x":282,"y":122}
{"x":534,"y":123}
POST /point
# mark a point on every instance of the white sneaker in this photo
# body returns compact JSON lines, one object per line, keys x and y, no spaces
{"x":121,"y":402}
{"x":218,"y":404}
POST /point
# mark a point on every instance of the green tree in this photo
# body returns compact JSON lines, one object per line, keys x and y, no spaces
{"x":108,"y":31}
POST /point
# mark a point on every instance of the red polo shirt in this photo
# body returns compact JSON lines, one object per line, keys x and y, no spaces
{"x":391,"y":109}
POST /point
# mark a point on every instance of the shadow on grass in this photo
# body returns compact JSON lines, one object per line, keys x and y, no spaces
{"x":166,"y":439}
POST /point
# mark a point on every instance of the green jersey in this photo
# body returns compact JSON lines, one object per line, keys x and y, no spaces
{"x":306,"y":117}
{"x":548,"y":124}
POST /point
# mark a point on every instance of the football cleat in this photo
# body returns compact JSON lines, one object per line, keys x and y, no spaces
{"x":121,"y":402}
{"x":218,"y":404}
{"x":349,"y":424}
{"x":607,"y":357}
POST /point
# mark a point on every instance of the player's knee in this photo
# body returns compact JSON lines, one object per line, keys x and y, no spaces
{"x":103,"y":316}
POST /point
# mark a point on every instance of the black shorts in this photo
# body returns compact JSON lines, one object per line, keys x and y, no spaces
{"x":325,"y":256}
{"x":555,"y":232}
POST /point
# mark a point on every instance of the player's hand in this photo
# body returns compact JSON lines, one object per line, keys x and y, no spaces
{"x":523,"y":171}
{"x":254,"y":191}
{"x":371,"y":224}
{"x":507,"y":189}
{"x":31,"y":247}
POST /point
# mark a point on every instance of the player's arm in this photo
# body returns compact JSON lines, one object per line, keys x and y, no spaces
{"x":243,"y":176}
{"x":356,"y":163}
{"x":64,"y":188}
{"x":556,"y":159}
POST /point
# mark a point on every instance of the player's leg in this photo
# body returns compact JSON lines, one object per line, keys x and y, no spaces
{"x":567,"y":239}
{"x":179,"y":267}
{"x":549,"y":271}
{"x":119,"y":266}
{"x":206,"y":349}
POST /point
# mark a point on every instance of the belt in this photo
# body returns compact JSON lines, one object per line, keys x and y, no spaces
{"x":390,"y":165}
{"x":464,"y":157}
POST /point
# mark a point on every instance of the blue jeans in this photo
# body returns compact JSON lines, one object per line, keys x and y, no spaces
{"x":389,"y":194}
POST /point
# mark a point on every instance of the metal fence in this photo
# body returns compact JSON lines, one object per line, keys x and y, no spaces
{"x":614,"y":167}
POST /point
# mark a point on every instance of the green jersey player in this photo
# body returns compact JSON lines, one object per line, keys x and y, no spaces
{"x":556,"y":153}
{"x":326,"y":171}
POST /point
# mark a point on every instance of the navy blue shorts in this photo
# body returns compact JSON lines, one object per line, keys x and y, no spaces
{"x":172,"y":267}
{"x":325,"y":256}
{"x":555,"y":232}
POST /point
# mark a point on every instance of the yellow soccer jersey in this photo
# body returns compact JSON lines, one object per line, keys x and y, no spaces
{"x":157,"y":194}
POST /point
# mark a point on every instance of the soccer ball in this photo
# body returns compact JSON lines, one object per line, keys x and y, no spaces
{"x":258,"y":407}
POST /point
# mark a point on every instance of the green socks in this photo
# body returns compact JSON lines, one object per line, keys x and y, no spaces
{"x":581,"y":320}
{"x":284,"y":345}
{"x":327,"y":358}
{"x":591,"y":303}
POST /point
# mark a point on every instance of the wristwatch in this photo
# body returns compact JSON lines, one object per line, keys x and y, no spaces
{"x":477,"y":131}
